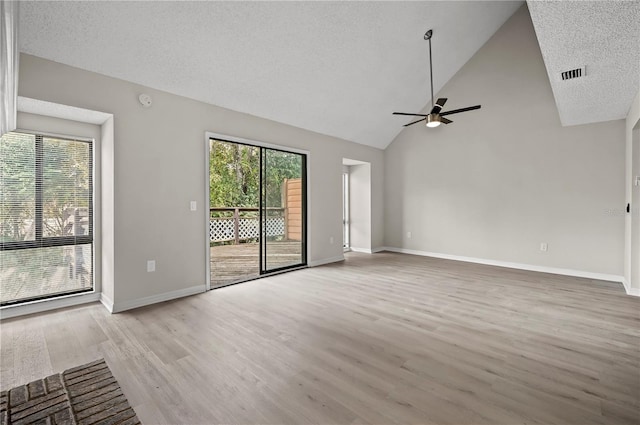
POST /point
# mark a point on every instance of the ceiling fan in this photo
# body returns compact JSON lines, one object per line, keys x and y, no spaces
{"x":436,"y":116}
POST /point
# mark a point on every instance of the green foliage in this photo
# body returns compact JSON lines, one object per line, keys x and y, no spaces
{"x":278,"y":167}
{"x":234,"y":174}
{"x":233,"y":177}
{"x":65,"y":184}
{"x":17,"y":185}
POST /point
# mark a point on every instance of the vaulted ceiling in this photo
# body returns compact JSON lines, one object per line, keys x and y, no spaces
{"x":603,"y":38}
{"x":337,"y":68}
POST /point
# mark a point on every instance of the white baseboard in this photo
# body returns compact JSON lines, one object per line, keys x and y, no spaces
{"x":40,"y":306}
{"x":368,"y":251}
{"x":629,"y":290}
{"x":363,"y":250}
{"x":117,"y":307}
{"x":107,"y":302}
{"x":317,"y":263}
{"x":519,"y":266}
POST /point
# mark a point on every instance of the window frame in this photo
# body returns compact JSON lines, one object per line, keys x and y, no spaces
{"x":41,"y":241}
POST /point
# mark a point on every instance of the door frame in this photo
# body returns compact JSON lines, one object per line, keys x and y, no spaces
{"x":306,"y":201}
{"x":263,"y":242}
{"x":346,"y":215}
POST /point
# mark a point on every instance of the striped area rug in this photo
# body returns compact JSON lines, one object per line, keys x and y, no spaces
{"x":84,"y":395}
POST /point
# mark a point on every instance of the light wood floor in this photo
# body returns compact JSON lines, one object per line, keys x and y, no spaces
{"x":384,"y":339}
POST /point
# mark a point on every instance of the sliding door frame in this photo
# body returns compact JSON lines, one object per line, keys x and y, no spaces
{"x":305,"y":201}
{"x":263,"y":241}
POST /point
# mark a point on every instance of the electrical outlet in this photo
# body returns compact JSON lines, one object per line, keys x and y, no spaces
{"x":408,"y":235}
{"x":151,"y":265}
{"x":331,"y":240}
{"x":193,"y":205}
{"x":544,"y":247}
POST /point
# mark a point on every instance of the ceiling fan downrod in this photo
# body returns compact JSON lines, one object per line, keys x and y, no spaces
{"x":427,"y":36}
{"x":435,"y":117}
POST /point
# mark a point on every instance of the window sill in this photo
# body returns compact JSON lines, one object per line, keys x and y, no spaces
{"x":40,"y":306}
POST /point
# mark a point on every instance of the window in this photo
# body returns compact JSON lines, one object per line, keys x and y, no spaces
{"x":46,"y":217}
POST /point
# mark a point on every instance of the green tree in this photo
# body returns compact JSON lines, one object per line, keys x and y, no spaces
{"x":66,"y":183}
{"x":278,"y":167}
{"x":235,"y":174}
{"x":17,"y":186}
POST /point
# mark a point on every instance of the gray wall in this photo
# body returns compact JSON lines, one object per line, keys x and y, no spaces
{"x":632,"y":223}
{"x":158,"y":167}
{"x":501,"y":180}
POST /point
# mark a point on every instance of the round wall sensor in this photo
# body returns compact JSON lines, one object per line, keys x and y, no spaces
{"x":145,"y":100}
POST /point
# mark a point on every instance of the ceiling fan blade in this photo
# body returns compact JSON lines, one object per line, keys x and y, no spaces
{"x":438,"y":106}
{"x":445,"y":121}
{"x":406,"y":113}
{"x":457,"y":111}
{"x":415,"y":122}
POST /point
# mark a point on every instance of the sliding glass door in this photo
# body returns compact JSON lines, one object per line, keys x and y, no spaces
{"x":257,"y":211}
{"x":234,"y":206}
{"x":282,"y":209}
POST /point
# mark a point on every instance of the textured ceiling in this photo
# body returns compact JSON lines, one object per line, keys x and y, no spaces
{"x":337,"y":68}
{"x":604,"y":36}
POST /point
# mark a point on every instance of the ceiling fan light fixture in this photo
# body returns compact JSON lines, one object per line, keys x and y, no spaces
{"x":435,"y":117}
{"x":433,"y":120}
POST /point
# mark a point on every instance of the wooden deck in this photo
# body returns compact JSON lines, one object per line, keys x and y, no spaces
{"x":235,"y":263}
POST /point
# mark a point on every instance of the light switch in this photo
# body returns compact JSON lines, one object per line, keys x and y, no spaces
{"x":193,"y":205}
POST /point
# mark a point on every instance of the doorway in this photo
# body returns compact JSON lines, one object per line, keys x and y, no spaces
{"x":345,"y":208}
{"x":257,"y":210}
{"x":358,"y":200}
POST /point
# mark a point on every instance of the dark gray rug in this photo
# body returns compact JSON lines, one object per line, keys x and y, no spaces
{"x":84,"y":395}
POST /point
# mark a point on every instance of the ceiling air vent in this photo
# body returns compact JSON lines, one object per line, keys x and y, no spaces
{"x":573,"y":73}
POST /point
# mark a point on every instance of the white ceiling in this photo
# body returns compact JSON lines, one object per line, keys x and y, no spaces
{"x":337,"y":68}
{"x":604,"y":36}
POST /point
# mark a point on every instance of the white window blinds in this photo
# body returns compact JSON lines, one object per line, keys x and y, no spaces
{"x":46,"y":217}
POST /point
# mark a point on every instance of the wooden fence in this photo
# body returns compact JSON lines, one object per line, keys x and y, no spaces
{"x":241,"y":223}
{"x":292,"y":201}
